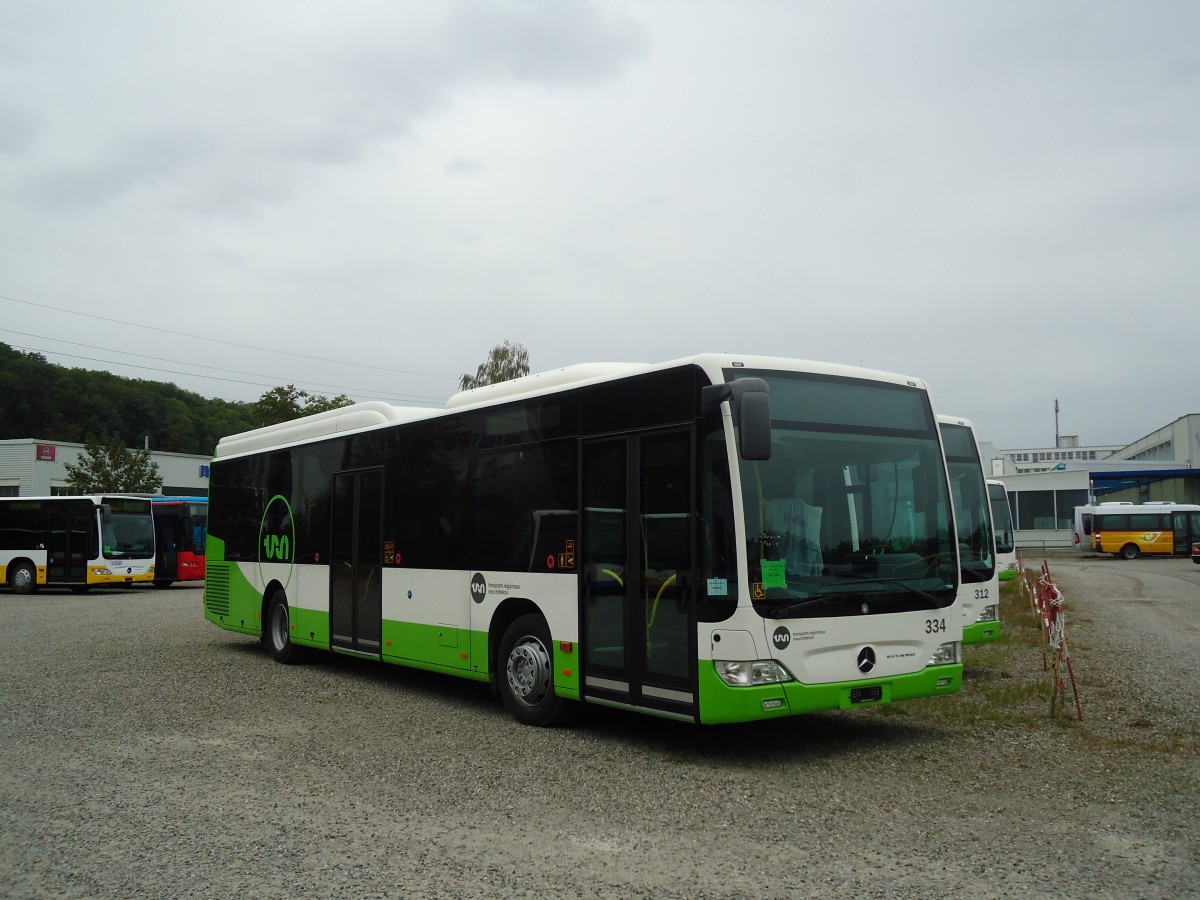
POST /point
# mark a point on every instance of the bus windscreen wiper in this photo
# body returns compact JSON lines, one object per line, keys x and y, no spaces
{"x":783,"y":610}
{"x":899,"y":583}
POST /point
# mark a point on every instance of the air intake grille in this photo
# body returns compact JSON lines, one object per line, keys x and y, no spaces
{"x":216,"y":589}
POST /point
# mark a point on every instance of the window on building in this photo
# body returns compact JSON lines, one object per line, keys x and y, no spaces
{"x":1035,"y":510}
{"x":1065,"y":503}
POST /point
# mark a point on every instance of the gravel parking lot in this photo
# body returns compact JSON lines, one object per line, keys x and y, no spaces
{"x":146,"y":753}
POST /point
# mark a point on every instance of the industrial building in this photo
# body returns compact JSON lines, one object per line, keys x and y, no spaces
{"x":1046,"y":484}
{"x":36,"y":468}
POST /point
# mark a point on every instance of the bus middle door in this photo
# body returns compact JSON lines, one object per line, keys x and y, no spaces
{"x":356,"y":566}
{"x":638,"y":612}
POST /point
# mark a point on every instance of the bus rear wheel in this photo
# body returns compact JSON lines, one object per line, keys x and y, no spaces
{"x":1129,"y":551}
{"x":23,"y":579}
{"x":277,"y":633}
{"x":526,"y":672}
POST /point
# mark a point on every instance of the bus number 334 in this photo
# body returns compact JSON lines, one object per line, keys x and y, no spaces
{"x":933,"y":626}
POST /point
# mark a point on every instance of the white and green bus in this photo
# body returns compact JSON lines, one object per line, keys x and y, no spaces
{"x":979,"y":587}
{"x":714,"y":539}
{"x":75,"y":542}
{"x":1002,"y":524}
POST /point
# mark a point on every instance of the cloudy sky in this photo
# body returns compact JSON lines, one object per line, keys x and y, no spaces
{"x":1002,"y":198}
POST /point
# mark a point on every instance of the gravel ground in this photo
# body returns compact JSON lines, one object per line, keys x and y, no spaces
{"x":146,"y":753}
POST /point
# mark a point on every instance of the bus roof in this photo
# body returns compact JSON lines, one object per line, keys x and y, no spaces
{"x":944,"y":419}
{"x":376,"y":413}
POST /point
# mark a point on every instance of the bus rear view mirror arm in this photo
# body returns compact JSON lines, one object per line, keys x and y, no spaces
{"x":749,"y":400}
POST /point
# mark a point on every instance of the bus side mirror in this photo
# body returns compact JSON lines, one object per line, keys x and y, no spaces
{"x":105,"y":513}
{"x":750,"y":402}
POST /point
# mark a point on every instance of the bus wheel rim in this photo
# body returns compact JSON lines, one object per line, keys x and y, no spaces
{"x":528,"y":671}
{"x":21,"y":578}
{"x":279,"y":627}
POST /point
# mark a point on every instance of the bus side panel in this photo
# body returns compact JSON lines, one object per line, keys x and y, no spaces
{"x":230,"y":600}
{"x":1150,"y":542}
{"x":37,"y":557}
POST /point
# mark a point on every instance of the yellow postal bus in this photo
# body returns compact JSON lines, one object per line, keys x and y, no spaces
{"x":1162,"y":529}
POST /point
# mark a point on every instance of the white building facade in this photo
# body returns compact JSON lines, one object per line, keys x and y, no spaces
{"x":37,"y":468}
{"x":1045,"y":485}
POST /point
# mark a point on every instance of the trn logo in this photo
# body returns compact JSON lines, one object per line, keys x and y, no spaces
{"x":277,"y":540}
{"x":277,"y":546}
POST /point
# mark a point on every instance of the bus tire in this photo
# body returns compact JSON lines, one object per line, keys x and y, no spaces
{"x":277,"y":633}
{"x":163,"y":582}
{"x":23,"y":578}
{"x":1129,"y":551}
{"x":526,"y":666}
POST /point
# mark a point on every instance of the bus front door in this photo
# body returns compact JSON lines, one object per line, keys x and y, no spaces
{"x":638,"y":613}
{"x":355,"y":570}
{"x":1186,"y":528}
{"x":68,"y":549}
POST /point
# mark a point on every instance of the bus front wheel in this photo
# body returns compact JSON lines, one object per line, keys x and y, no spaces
{"x":526,"y":672}
{"x":1129,"y":551}
{"x":23,"y":579}
{"x":277,"y":635}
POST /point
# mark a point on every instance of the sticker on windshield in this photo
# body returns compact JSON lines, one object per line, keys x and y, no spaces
{"x":774,"y":574}
{"x":718,"y":587}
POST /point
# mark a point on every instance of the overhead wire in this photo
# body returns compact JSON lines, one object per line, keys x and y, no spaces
{"x":340,"y":362}
{"x":275,"y":381}
{"x":314,"y":386}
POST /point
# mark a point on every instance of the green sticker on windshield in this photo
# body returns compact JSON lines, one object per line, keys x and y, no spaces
{"x":773,"y":573}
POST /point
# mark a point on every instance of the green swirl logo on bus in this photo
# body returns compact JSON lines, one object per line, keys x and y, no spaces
{"x":276,"y":537}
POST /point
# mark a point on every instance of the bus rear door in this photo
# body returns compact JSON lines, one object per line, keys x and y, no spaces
{"x":69,"y":548}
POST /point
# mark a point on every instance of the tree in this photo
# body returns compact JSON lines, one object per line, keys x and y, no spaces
{"x":107,"y":467}
{"x":505,"y":362}
{"x":284,"y":403}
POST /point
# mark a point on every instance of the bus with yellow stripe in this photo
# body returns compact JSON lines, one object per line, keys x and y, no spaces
{"x":1147,"y":529}
{"x":75,"y":542}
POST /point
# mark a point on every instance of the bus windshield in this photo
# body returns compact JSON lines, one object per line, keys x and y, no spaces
{"x":1001,"y":518}
{"x":129,"y":533}
{"x":851,"y":513}
{"x":975,"y":545}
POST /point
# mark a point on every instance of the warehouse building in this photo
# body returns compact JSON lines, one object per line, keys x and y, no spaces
{"x":38,"y":468}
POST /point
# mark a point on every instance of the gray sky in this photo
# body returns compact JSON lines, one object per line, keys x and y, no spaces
{"x":1002,"y":198}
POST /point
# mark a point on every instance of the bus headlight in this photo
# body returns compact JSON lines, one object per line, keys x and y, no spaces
{"x":946,"y":654}
{"x":745,"y":673}
{"x":100,"y":570}
{"x":988,"y":614}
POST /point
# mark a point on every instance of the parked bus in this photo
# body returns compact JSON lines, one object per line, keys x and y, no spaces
{"x":1083,"y":522}
{"x":715,"y":539}
{"x":1002,"y":524}
{"x":979,"y":588}
{"x":1159,"y":529}
{"x":180,"y":533}
{"x":75,"y":542}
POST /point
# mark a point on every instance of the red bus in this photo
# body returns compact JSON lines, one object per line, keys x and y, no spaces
{"x":180,"y":532}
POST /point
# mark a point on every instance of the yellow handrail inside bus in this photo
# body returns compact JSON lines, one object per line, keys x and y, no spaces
{"x":654,"y":610}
